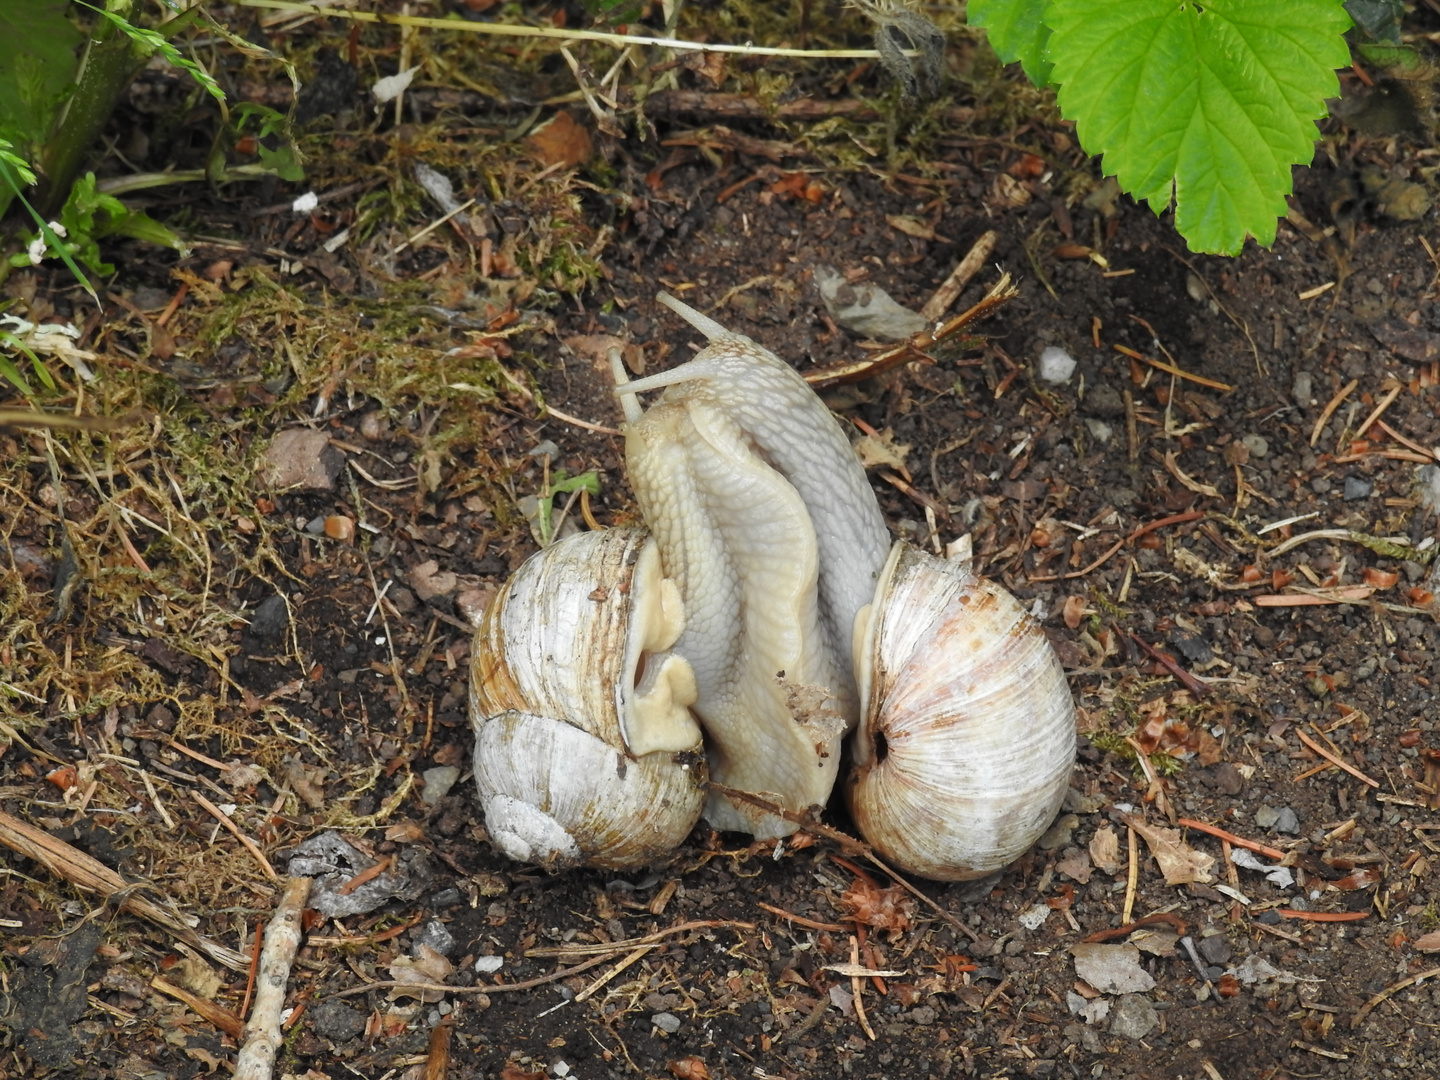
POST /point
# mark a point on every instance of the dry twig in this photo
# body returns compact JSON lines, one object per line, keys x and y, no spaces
{"x":89,"y":874}
{"x":263,"y":1036}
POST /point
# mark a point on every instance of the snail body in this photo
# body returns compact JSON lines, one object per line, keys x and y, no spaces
{"x":585,"y":748}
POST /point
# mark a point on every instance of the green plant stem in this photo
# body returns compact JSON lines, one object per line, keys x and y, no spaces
{"x":111,"y":61}
{"x":120,"y":185}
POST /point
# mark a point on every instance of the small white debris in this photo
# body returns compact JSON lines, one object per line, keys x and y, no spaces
{"x":1056,"y":365}
{"x":488,"y":965}
{"x":392,"y":86}
{"x":1277,"y":875}
{"x":1035,"y":917}
{"x":303,"y":204}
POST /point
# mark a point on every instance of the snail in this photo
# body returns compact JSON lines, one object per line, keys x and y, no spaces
{"x":585,"y":748}
{"x":795,"y":621}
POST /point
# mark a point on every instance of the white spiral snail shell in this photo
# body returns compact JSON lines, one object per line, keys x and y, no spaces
{"x":585,"y":748}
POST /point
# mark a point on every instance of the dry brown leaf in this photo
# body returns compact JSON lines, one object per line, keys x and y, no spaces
{"x":561,"y":140}
{"x":1428,"y":942}
{"x":430,"y":967}
{"x":1178,"y":861}
{"x":1077,"y":867}
{"x":1105,"y":850}
{"x":911,"y":226}
{"x":882,"y":449}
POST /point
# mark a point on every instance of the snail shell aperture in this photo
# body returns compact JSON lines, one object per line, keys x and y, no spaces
{"x":585,"y":749}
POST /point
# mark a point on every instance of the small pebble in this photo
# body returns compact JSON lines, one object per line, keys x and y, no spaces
{"x":1258,"y":445}
{"x":1302,"y":390}
{"x":1269,"y":918}
{"x":1100,"y":431}
{"x":1287,"y":822}
{"x":1320,"y":485}
{"x":666,"y":1022}
{"x":1056,"y":365}
{"x":1133,"y":1017}
{"x":1365,"y":669}
{"x":1215,"y":949}
{"x":1266,"y":816}
{"x":1357,"y":488}
{"x":436,"y":936}
{"x":488,"y":965}
{"x":438,"y":782}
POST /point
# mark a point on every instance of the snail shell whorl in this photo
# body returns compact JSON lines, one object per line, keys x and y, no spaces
{"x":964,"y":754}
{"x":585,"y":750}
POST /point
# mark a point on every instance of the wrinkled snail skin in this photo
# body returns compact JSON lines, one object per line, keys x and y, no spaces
{"x":736,"y":538}
{"x":790,"y":428}
{"x":585,"y":748}
{"x":964,"y":754}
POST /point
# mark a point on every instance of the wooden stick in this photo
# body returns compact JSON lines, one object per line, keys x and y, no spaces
{"x":234,"y":830}
{"x":84,"y":872}
{"x":858,"y":988}
{"x":223,"y":1019}
{"x":1238,"y":841}
{"x":955,"y":284}
{"x":437,"y":1062}
{"x":256,"y":1060}
{"x":1337,"y":762}
{"x":1379,"y":411}
{"x":1393,"y":988}
{"x":1329,"y":409}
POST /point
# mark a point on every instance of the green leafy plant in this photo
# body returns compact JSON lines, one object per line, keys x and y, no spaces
{"x":560,"y":484}
{"x":88,"y":217}
{"x":1206,"y":103}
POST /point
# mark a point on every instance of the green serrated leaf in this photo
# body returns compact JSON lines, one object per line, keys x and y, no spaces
{"x":1017,"y":31}
{"x":1211,"y":103}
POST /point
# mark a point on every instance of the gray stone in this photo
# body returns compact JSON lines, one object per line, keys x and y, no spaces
{"x":1287,"y":822}
{"x":1100,"y":431}
{"x":666,"y":1022}
{"x":1357,"y":488}
{"x":1302,"y":389}
{"x":1111,"y":969}
{"x":1321,"y":485}
{"x":297,"y":458}
{"x":1104,"y":400}
{"x":1258,"y":445}
{"x":1058,"y":835}
{"x":438,"y":782}
{"x":1215,"y":949}
{"x":1365,"y":669}
{"x":1266,"y":816}
{"x":435,"y":935}
{"x":1133,"y":1017}
{"x":336,"y":1021}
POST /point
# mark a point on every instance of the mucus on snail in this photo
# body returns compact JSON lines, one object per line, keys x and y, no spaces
{"x":801,"y":622}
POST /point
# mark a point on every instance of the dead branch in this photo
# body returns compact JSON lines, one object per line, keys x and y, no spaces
{"x":263,"y":1036}
{"x":72,"y":864}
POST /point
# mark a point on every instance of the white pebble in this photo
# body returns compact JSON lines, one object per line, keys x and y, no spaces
{"x":1056,"y":365}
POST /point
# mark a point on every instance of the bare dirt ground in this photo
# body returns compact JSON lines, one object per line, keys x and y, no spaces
{"x":1226,"y":517}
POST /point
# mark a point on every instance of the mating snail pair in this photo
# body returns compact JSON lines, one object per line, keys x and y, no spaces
{"x":763,"y":617}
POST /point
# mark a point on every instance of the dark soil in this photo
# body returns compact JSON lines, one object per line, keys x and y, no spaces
{"x":336,"y":671}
